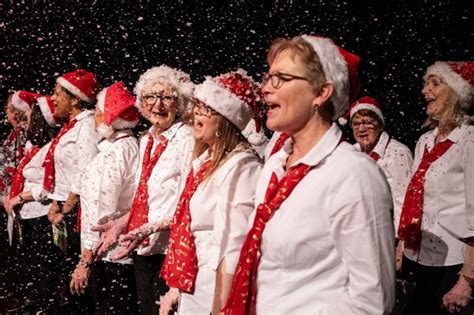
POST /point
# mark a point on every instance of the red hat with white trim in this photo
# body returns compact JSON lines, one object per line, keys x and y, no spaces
{"x":368,"y":103}
{"x":118,"y":106}
{"x":340,"y":68}
{"x":24,"y":100}
{"x":80,"y":83}
{"x":47,"y":109}
{"x":459,"y":76}
{"x":237,"y":97}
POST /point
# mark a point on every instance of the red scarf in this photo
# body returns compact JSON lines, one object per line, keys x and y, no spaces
{"x":409,"y":229}
{"x":139,"y":210}
{"x":18,"y":182}
{"x":279,"y":143}
{"x":48,"y":164}
{"x":180,"y":265}
{"x":243,"y":293}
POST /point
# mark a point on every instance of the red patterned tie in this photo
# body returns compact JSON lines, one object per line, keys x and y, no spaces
{"x":243,"y":293}
{"x":18,"y":182}
{"x":279,"y":143}
{"x":412,"y":211}
{"x":139,"y":210}
{"x":374,"y":155}
{"x":48,"y":164}
{"x":180,"y":265}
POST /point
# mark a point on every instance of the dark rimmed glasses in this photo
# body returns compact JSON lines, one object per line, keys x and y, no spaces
{"x":278,"y":78}
{"x":152,"y":98}
{"x":202,"y":109}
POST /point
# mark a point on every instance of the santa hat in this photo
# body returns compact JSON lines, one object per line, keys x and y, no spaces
{"x":47,"y":109}
{"x":340,"y":68}
{"x":237,"y":97}
{"x":365,"y":102}
{"x":117,"y":104}
{"x":24,"y":100}
{"x":459,"y":76}
{"x":80,"y":83}
{"x":179,"y":79}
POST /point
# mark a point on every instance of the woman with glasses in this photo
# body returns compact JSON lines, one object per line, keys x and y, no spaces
{"x":211,"y":219}
{"x":395,"y":158}
{"x":321,"y":239}
{"x":437,"y":217}
{"x":163,"y":94}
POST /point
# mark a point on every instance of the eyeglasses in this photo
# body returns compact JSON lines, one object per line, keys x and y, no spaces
{"x":152,"y":98}
{"x":201,"y":109}
{"x":278,"y":78}
{"x":368,"y":124}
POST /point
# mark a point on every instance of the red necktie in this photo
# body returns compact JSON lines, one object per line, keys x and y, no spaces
{"x":18,"y":182}
{"x":139,"y":210}
{"x":48,"y":164}
{"x":374,"y":155}
{"x":243,"y":293}
{"x":279,"y":143}
{"x":180,"y":265}
{"x":412,"y":210}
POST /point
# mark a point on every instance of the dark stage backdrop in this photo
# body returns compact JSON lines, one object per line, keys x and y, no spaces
{"x":119,"y":40}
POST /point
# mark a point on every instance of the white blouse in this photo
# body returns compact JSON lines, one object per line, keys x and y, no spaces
{"x":74,"y":151}
{"x":220,"y":210}
{"x":34,"y":174}
{"x":396,"y":161}
{"x":166,"y":181}
{"x":448,"y":199}
{"x":108,"y":185}
{"x":329,"y":248}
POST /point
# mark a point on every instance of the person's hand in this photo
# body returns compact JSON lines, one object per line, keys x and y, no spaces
{"x":458,"y":297}
{"x":71,"y":202}
{"x":128,"y":243}
{"x":79,"y":280}
{"x":54,"y":214}
{"x":109,"y":236}
{"x":169,"y":301}
{"x":399,"y":256}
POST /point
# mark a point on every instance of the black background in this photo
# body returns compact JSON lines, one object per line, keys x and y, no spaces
{"x":119,"y":40}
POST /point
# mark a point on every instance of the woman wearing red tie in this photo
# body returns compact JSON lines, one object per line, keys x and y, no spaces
{"x":68,"y":155}
{"x":322,"y":235}
{"x":211,"y":219}
{"x":438,"y":210}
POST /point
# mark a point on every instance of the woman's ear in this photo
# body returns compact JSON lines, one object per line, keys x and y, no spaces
{"x":323,"y":94}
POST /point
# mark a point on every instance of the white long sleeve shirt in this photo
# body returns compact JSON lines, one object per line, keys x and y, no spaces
{"x":220,"y":210}
{"x":166,"y":181}
{"x":329,"y":248}
{"x":74,"y":151}
{"x":34,"y":174}
{"x":108,"y":185}
{"x":448,"y":199}
{"x":396,"y":161}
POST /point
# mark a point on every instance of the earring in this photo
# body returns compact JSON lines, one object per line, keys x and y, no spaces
{"x":316,"y":109}
{"x":218,"y":134}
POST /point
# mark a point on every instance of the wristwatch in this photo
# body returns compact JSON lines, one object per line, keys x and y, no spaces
{"x":84,"y":263}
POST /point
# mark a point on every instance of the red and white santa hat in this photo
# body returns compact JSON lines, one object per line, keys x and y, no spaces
{"x":47,"y":109}
{"x":459,"y":76}
{"x":24,"y":100}
{"x":369,"y":103}
{"x":237,"y":97}
{"x":118,"y":106}
{"x":340,"y":68}
{"x":81,"y":83}
{"x":179,"y":79}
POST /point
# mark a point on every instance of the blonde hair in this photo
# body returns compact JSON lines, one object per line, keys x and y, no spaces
{"x":452,"y":116}
{"x":229,"y":138}
{"x":311,"y":62}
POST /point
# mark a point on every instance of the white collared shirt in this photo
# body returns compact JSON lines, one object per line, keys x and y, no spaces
{"x":396,"y":161}
{"x":448,"y":199}
{"x":166,"y":180}
{"x":329,"y":248}
{"x":220,"y":210}
{"x":108,"y":185}
{"x":74,"y":151}
{"x":34,"y":174}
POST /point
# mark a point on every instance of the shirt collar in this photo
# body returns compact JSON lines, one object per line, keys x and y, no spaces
{"x":320,"y":151}
{"x":381,"y":145}
{"x":106,"y":143}
{"x":84,"y":114}
{"x":453,"y":136}
{"x":170,"y":132}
